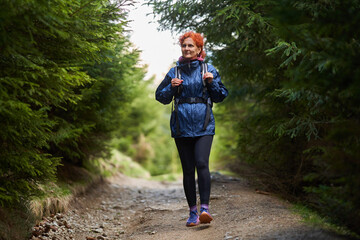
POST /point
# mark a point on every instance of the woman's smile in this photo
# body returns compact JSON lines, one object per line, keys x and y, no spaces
{"x":189,"y":49}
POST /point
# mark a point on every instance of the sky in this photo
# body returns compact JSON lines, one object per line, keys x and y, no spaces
{"x":159,"y":50}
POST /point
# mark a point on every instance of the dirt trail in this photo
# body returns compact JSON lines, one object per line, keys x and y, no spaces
{"x":128,"y":208}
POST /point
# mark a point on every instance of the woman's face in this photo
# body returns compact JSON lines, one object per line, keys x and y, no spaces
{"x":189,"y":49}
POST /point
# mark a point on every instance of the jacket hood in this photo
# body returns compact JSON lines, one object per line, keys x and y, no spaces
{"x":193,"y":63}
{"x":182,"y":59}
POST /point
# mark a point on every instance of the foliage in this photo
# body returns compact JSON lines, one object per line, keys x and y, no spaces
{"x":292,"y":70}
{"x":124,"y":164}
{"x":146,"y":127}
{"x":311,"y":217}
{"x":65,"y":71}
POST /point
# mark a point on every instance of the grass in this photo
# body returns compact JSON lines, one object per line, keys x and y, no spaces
{"x":228,"y":173}
{"x":170,"y":177}
{"x":55,"y":198}
{"x":124,"y":164}
{"x":118,"y":163}
{"x":16,"y":223}
{"x":314,"y":219}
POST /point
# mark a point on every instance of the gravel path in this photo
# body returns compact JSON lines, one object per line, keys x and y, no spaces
{"x":128,"y":208}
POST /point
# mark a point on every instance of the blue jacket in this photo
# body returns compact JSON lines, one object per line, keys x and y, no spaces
{"x":192,"y":116}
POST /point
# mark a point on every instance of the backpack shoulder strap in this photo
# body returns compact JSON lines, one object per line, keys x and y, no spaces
{"x":179,"y":88}
{"x":204,"y":69}
{"x":175,"y":104}
{"x":177,"y":72}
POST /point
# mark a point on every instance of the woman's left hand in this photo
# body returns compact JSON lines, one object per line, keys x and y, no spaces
{"x":208,"y":76}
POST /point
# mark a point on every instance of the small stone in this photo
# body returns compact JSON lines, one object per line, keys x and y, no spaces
{"x":53,"y":228}
{"x":98,"y":230}
{"x":228,"y":236}
{"x":36,"y":231}
{"x":47,"y":229}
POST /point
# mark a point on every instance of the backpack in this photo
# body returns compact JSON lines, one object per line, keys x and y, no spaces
{"x":177,"y":100}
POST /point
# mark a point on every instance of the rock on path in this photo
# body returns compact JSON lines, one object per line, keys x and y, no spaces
{"x":128,"y":208}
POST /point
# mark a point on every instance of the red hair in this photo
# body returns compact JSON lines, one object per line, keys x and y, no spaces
{"x":197,"y":38}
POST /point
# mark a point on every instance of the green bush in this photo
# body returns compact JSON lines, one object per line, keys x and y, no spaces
{"x":145,"y":134}
{"x":66,"y":70}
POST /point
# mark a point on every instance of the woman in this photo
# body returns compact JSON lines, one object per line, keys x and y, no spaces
{"x":192,"y":121}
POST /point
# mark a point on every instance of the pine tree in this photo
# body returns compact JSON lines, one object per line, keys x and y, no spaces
{"x":291,"y":68}
{"x":63,"y":66}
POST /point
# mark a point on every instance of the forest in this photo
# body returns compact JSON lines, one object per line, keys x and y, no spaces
{"x":72,"y":95}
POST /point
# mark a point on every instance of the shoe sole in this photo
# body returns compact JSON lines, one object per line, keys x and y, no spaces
{"x":192,"y":224}
{"x":205,"y":218}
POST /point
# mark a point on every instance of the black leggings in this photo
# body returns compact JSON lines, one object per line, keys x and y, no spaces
{"x":195,"y":152}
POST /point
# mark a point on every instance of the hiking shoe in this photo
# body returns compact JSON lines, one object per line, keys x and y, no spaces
{"x":193,"y":219}
{"x":205,"y":216}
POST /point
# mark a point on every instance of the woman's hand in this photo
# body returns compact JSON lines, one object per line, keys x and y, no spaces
{"x":208,"y":76}
{"x":175,"y":82}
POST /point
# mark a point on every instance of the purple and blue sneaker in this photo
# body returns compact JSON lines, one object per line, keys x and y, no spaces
{"x":205,"y":216}
{"x":193,"y":219}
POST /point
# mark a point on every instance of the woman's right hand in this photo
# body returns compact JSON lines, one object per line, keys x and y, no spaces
{"x":175,"y":82}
